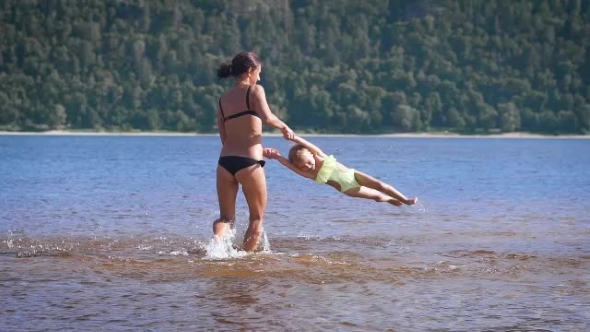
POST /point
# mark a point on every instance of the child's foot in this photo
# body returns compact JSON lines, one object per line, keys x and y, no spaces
{"x":395,"y":202}
{"x":411,"y":201}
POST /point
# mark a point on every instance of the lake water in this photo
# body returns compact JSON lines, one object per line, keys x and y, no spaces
{"x":112,"y":233}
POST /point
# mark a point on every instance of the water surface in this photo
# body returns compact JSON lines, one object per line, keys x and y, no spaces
{"x":113,"y":233}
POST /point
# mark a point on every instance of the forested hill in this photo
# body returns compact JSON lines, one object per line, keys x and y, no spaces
{"x":336,"y":66}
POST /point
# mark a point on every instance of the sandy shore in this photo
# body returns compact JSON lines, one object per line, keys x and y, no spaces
{"x":401,"y":135}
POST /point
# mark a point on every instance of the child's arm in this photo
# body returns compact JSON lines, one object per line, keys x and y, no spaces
{"x":311,"y":147}
{"x":271,"y":153}
{"x":292,"y":167}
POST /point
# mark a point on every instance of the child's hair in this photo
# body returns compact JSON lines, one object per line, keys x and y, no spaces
{"x":295,"y":152}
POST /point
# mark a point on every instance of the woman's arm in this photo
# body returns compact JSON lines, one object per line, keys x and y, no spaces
{"x":311,"y":147}
{"x":221,"y":127}
{"x":267,"y":116}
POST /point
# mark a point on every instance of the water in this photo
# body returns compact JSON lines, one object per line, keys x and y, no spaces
{"x":113,"y":233}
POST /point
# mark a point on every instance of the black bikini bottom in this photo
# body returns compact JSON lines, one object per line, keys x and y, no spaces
{"x":234,"y":163}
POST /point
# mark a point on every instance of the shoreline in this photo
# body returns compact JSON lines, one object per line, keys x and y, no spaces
{"x":400,"y":135}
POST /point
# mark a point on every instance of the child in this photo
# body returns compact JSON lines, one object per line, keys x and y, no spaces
{"x":309,"y":161}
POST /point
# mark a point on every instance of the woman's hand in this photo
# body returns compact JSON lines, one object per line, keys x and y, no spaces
{"x":288,"y":133}
{"x":271,"y":153}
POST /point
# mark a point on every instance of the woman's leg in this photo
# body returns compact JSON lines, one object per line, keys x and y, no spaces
{"x":369,"y":181}
{"x":369,"y":193}
{"x":227,"y":191}
{"x":253,"y":181}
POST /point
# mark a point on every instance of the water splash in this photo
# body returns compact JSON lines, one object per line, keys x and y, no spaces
{"x":423,"y":212}
{"x":265,"y":243}
{"x":224,"y":247}
{"x":9,"y":243}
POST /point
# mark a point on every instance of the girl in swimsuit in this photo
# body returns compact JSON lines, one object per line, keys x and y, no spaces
{"x":309,"y":161}
{"x":243,"y":110}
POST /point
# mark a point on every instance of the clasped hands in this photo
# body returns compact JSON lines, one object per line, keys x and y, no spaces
{"x":271,"y":153}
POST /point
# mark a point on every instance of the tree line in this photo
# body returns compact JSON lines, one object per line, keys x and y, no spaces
{"x":332,"y":66}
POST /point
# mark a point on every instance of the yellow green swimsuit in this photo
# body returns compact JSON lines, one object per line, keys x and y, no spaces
{"x":330,"y":171}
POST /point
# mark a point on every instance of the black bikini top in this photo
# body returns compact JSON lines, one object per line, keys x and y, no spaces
{"x":237,"y":115}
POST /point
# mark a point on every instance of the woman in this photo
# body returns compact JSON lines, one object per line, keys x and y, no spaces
{"x":242,"y":112}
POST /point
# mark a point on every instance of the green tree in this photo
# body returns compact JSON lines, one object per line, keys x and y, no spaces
{"x":509,"y":117}
{"x":407,"y":118}
{"x":330,"y":66}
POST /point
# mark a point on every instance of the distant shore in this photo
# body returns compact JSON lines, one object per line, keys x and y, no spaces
{"x":399,"y":135}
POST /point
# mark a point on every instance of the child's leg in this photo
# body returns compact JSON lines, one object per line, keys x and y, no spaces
{"x":377,"y":196}
{"x":369,"y":181}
